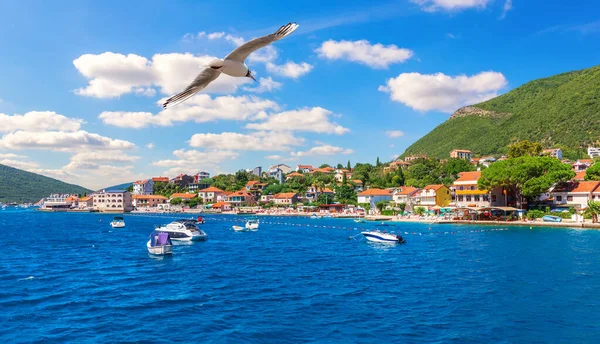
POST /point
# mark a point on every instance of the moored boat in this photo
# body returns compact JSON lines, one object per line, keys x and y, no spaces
{"x":183,"y":230}
{"x":551,"y":218}
{"x":360,"y":220}
{"x":159,"y":244}
{"x":118,"y":222}
{"x":252,"y":224}
{"x":383,"y":237}
{"x":239,"y":228}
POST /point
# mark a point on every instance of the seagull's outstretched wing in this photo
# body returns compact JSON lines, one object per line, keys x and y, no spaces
{"x":205,"y":77}
{"x":241,"y":52}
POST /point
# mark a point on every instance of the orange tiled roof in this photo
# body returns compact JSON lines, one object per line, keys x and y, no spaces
{"x":585,"y":161}
{"x":141,"y":182}
{"x":462,"y":151}
{"x":219,"y":205}
{"x":326,"y":190}
{"x":72,"y":198}
{"x":149,"y":196}
{"x":434,"y":187}
{"x":160,"y":179}
{"x":251,"y":182}
{"x":375,"y":192}
{"x":240,"y":193}
{"x":85,"y":199}
{"x":579,"y":176}
{"x":468,"y":176}
{"x":211,"y":189}
{"x":406,"y":190}
{"x":183,"y":195}
{"x":577,"y":187}
{"x":295,"y":174}
{"x":357,"y":181}
{"x":305,"y":166}
{"x":285,"y":195}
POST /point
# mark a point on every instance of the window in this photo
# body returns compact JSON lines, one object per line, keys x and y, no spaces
{"x":493,"y":198}
{"x":476,"y":198}
{"x":473,"y":187}
{"x":468,"y":198}
{"x":460,"y":198}
{"x":569,"y":198}
{"x":559,"y":198}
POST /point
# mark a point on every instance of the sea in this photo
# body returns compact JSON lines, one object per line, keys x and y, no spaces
{"x":71,"y":278}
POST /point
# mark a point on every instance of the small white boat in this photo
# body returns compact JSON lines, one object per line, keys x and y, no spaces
{"x":383,"y":237}
{"x":239,"y":228}
{"x":360,"y":220}
{"x":118,"y":222}
{"x":252,"y":224}
{"x":183,"y":230}
{"x":160,"y":244}
{"x":315,"y":216}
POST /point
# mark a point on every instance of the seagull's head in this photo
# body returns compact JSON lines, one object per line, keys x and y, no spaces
{"x":249,"y":75}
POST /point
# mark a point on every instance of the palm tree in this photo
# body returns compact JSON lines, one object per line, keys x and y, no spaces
{"x":380,"y":205}
{"x":594,"y":210}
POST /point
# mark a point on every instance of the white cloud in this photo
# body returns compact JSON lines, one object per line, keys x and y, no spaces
{"x":372,"y":55}
{"x":192,"y":159}
{"x":323,"y":150}
{"x":258,"y":141}
{"x":394,"y":133}
{"x":11,"y":156}
{"x":316,"y":119}
{"x":150,"y":145}
{"x":38,"y":121}
{"x":62,"y":141}
{"x":103,"y":156}
{"x":450,"y":5}
{"x":264,"y":85}
{"x":235,"y":39}
{"x":112,"y":75}
{"x":23,"y":165}
{"x":289,"y":69}
{"x":441,"y":92}
{"x":507,"y":7}
{"x":274,"y":157}
{"x":215,"y":35}
{"x":450,"y":35}
{"x":201,"y":108}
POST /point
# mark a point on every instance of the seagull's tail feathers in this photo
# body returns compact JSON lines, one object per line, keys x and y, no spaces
{"x":286,"y":30}
{"x":179,"y":98}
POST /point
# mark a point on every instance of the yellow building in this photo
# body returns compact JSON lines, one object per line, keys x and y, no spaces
{"x":432,"y":195}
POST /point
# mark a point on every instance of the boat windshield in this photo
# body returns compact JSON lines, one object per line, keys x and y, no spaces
{"x":118,"y":218}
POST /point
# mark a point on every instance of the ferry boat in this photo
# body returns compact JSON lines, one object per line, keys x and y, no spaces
{"x":159,"y":244}
{"x":183,"y":230}
{"x":118,"y":222}
{"x":383,"y":237}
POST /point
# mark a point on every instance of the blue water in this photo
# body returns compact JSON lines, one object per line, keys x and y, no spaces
{"x":71,"y":278}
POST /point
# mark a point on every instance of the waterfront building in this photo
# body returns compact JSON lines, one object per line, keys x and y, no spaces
{"x":466,"y":193}
{"x":113,"y":201}
{"x":574,"y":194}
{"x":183,"y":196}
{"x":58,"y":202}
{"x":372,"y":196}
{"x":431,"y":196}
{"x":86,"y":202}
{"x":285,"y":198}
{"x":148,"y":201}
{"x":143,"y":187}
{"x":266,"y":198}
{"x":221,"y":206}
{"x":211,"y":195}
{"x":461,"y":154}
{"x":403,"y":194}
{"x":240,"y":198}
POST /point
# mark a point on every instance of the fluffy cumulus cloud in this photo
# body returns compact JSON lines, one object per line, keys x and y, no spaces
{"x":274,"y":157}
{"x":257,"y":141}
{"x":372,"y":55}
{"x":11,"y":156}
{"x":111,"y":75}
{"x":441,"y":92}
{"x":450,"y":5}
{"x":323,"y":150}
{"x":200,"y":108}
{"x":289,"y":69}
{"x":316,"y":119}
{"x":23,"y":165}
{"x":394,"y":133}
{"x":150,"y":145}
{"x":62,"y":141}
{"x":38,"y":121}
{"x":186,"y":158}
{"x":264,"y":85}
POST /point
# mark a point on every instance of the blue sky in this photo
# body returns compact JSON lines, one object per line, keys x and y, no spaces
{"x":82,"y":81}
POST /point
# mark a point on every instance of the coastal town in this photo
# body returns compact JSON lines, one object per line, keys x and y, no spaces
{"x":344,"y":191}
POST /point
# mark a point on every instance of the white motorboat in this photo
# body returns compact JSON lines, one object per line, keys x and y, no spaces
{"x":315,"y":216}
{"x":183,"y":230}
{"x":383,"y":237}
{"x":360,"y":220}
{"x":160,"y":244}
{"x":252,"y":224}
{"x":239,"y":228}
{"x":118,"y":222}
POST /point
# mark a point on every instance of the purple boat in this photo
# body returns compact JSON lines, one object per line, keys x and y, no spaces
{"x":160,"y":244}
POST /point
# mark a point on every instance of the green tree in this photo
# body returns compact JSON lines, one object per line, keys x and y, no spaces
{"x":380,"y":205}
{"x":594,"y":210}
{"x":524,"y":148}
{"x":377,"y":163}
{"x":419,"y":211}
{"x":345,"y":194}
{"x":340,"y":166}
{"x":175,"y":201}
{"x":273,"y":189}
{"x":453,"y":167}
{"x":324,"y":165}
{"x":526,"y":176}
{"x":593,"y":172}
{"x":344,"y":180}
{"x":129,"y":188}
{"x":365,"y":206}
{"x":349,"y":167}
{"x":402,"y":207}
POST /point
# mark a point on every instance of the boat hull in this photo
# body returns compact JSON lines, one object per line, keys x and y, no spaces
{"x":159,"y":250}
{"x":117,"y":225}
{"x":239,"y":228}
{"x":380,"y":237}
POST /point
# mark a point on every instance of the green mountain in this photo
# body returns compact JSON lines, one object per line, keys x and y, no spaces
{"x":560,"y":111}
{"x":22,"y":186}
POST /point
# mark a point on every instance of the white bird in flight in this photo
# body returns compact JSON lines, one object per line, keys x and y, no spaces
{"x":233,"y":64}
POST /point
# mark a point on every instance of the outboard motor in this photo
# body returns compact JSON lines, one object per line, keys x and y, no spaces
{"x":400,"y":239}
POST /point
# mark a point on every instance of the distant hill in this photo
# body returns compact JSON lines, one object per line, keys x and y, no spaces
{"x":22,"y":186}
{"x":118,"y":187}
{"x":560,"y":111}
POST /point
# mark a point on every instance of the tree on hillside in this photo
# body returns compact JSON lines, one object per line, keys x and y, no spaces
{"x":344,"y":180}
{"x":453,"y":167}
{"x":349,"y":167}
{"x":378,"y":163}
{"x":273,"y":189}
{"x":397,"y":178}
{"x":593,"y":172}
{"x":345,"y":194}
{"x":339,"y":166}
{"x":362,"y":172}
{"x":324,"y":165}
{"x":423,"y":172}
{"x":524,"y":148}
{"x":526,"y":176}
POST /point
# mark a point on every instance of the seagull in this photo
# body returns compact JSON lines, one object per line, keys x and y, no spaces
{"x":233,"y":64}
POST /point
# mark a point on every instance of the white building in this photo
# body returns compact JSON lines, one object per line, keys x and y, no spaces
{"x":553,"y":152}
{"x":461,"y":154}
{"x":372,"y":196}
{"x":276,"y":173}
{"x":339,"y":175}
{"x":59,"y":201}
{"x":203,"y":175}
{"x":117,"y":201}
{"x":403,"y":194}
{"x":582,"y":164}
{"x":143,"y":187}
{"x":593,"y":152}
{"x":304,"y":168}
{"x":575,"y":194}
{"x":283,"y":167}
